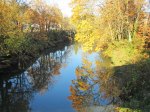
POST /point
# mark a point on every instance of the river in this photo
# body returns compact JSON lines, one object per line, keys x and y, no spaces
{"x":51,"y":84}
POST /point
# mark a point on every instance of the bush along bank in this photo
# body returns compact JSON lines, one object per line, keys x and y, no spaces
{"x":32,"y":45}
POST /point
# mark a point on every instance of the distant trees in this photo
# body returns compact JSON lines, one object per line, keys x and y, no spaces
{"x":48,"y":16}
{"x":17,"y":14}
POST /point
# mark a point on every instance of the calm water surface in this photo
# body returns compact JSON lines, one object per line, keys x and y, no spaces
{"x":51,"y":84}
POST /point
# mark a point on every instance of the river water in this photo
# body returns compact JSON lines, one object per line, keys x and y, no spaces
{"x":51,"y":84}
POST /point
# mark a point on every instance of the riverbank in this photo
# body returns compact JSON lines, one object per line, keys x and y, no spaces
{"x":33,"y":45}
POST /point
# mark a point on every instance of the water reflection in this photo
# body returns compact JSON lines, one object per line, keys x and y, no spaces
{"x":46,"y":67}
{"x":15,"y":94}
{"x":16,"y":91}
{"x":94,"y":89}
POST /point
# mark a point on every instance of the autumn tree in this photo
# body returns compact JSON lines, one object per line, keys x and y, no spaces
{"x":49,"y":15}
{"x":84,"y":20}
{"x":11,"y":27}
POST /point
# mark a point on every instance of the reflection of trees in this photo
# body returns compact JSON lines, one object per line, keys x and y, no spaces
{"x":87,"y":90}
{"x":109,"y":84}
{"x":45,"y":68}
{"x":16,"y":91}
{"x":15,"y":94}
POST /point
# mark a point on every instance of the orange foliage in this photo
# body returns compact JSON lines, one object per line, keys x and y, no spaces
{"x":77,"y":100}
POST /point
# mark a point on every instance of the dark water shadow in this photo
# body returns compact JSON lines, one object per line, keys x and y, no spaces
{"x":134,"y":81}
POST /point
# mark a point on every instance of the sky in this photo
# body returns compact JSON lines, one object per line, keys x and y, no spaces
{"x":63,"y":5}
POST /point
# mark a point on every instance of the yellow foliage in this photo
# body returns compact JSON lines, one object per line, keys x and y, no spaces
{"x":123,"y":52}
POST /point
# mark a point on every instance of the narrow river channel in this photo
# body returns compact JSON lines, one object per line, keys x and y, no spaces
{"x":52,"y":84}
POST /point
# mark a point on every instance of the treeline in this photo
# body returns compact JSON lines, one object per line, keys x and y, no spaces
{"x":21,"y":22}
{"x":113,"y":26}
